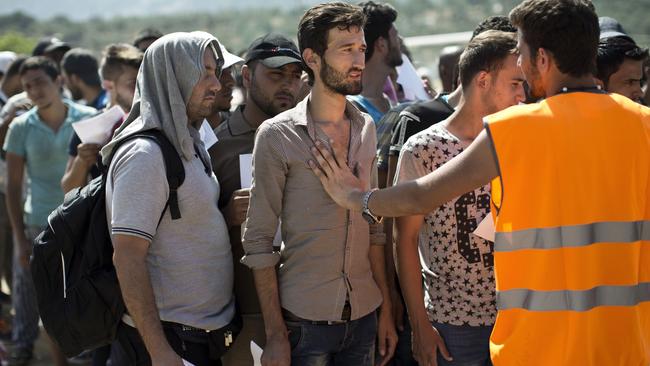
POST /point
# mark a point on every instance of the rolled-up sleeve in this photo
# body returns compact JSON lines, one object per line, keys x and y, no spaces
{"x":265,"y":207}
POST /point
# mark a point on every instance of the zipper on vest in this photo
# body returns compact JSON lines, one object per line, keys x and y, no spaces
{"x":65,"y":286}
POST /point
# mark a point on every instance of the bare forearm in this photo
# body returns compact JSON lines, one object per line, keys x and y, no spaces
{"x":15,"y":209}
{"x":76,"y":176}
{"x":138,"y":295}
{"x":410,"y":279}
{"x":266,"y":283}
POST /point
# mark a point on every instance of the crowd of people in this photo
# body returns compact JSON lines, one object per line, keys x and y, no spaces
{"x":275,"y":235}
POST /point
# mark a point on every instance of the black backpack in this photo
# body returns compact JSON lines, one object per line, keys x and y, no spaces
{"x":78,"y":294}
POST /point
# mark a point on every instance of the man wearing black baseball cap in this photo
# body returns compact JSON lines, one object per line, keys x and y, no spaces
{"x":272,"y":79}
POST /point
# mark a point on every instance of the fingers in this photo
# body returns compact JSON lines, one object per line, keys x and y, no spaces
{"x":242,"y":192}
{"x":442,"y":348}
{"x":382,"y":345}
{"x":324,"y":159}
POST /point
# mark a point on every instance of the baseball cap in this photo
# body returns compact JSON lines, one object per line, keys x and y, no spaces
{"x":147,"y":33}
{"x":610,"y":27}
{"x":274,"y":51}
{"x":49,"y":44}
{"x":229,"y":59}
{"x":6,"y":58}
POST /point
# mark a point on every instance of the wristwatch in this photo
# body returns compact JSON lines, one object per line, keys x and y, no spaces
{"x":365,"y":211}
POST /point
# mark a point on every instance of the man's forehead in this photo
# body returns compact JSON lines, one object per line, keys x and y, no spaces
{"x":337,"y":36}
{"x":34,"y":74}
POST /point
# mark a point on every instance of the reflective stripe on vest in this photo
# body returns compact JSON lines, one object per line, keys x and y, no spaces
{"x":572,"y":236}
{"x":566,"y":300}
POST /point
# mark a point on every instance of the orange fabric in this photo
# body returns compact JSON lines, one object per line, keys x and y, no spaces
{"x":573,"y":159}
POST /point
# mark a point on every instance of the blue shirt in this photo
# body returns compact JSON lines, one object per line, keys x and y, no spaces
{"x":46,"y":155}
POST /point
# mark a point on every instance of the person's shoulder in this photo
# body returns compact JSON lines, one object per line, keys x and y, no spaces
{"x":427,"y":139}
{"x":80,"y":111}
{"x":138,"y":151}
{"x":518,"y":112}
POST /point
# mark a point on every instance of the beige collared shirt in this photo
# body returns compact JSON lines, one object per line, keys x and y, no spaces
{"x":324,"y":259}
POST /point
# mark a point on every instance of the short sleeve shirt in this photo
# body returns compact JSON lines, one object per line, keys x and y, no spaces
{"x":46,"y":155}
{"x":459,"y":276}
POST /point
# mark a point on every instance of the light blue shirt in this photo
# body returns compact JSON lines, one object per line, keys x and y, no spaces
{"x":46,"y":154}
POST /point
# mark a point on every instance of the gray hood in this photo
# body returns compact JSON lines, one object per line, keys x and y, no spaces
{"x":172,"y":66}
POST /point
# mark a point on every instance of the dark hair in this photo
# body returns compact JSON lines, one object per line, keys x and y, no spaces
{"x":14,"y":67}
{"x":318,"y":20}
{"x":380,"y":17}
{"x":612,"y":52}
{"x":40,"y":63}
{"x":486,"y":52}
{"x":82,"y":63}
{"x":118,"y":56}
{"x":568,"y":29}
{"x":496,"y":22}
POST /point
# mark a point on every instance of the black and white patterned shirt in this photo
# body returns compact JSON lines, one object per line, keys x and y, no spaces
{"x":457,"y":265}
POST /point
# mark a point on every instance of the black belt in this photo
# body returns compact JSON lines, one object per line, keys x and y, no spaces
{"x":345,"y":317}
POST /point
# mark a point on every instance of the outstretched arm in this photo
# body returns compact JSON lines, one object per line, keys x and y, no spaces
{"x":472,"y":168}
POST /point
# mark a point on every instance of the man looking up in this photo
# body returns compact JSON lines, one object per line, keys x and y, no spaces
{"x":382,"y":56}
{"x":79,"y":70}
{"x":458,"y":276}
{"x":570,"y":202}
{"x":119,"y":71}
{"x":321,"y":306}
{"x":272,"y":80}
{"x":156,"y":256}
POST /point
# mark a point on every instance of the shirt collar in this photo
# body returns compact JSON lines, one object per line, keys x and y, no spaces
{"x":237,"y":123}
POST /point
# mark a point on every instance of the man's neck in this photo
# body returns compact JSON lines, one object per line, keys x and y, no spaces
{"x":456,"y":97}
{"x":326,"y":106}
{"x":214,"y":119}
{"x":54,"y":114}
{"x":560,"y":81}
{"x":374,"y":79}
{"x":467,"y":122}
{"x":90,"y":93}
{"x":253,"y":114}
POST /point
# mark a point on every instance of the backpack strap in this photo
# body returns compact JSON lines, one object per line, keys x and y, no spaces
{"x":173,"y":168}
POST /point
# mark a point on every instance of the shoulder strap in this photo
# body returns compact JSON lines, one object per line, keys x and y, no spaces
{"x":173,"y":168}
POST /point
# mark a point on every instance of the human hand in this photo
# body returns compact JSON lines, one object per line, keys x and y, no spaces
{"x":237,"y":208}
{"x":166,"y":357}
{"x":338,"y":180}
{"x":427,"y":342}
{"x":87,"y":153}
{"x":398,"y":309}
{"x":386,"y":336}
{"x":277,"y":351}
{"x":24,"y":248}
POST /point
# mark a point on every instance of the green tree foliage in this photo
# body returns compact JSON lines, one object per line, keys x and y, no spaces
{"x":13,"y":41}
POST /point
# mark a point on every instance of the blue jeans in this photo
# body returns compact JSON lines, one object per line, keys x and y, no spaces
{"x":468,"y":346}
{"x":352,"y":343}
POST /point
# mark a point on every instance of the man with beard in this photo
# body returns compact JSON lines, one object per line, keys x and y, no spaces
{"x":382,"y":56}
{"x":79,"y":70}
{"x":119,"y":70}
{"x":174,"y":269}
{"x":570,"y":178}
{"x":271,"y":77}
{"x":222,"y":104}
{"x":321,"y":306}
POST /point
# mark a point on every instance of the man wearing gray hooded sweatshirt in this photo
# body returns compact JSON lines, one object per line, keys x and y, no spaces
{"x":176,"y":276}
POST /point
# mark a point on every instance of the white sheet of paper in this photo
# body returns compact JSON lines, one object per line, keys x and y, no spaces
{"x":256,"y":352}
{"x":246,"y":179}
{"x":187,"y":363}
{"x":412,"y":84}
{"x":97,"y":129}
{"x":485,"y":229}
{"x":207,"y":135}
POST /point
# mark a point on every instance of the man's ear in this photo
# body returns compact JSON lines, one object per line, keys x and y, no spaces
{"x":312,"y":60}
{"x":482,"y":80}
{"x":108,"y":85}
{"x":543,"y":60}
{"x":381,"y":45}
{"x":247,"y":76}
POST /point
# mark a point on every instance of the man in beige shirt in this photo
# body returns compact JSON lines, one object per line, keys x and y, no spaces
{"x":320,"y":307}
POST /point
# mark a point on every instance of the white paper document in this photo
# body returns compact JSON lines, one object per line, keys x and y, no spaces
{"x":485,"y":229}
{"x":246,"y":170}
{"x":410,"y":81}
{"x":256,"y":352}
{"x":207,"y":135}
{"x":187,"y":363}
{"x":98,"y":129}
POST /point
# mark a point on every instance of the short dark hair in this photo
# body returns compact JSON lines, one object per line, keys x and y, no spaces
{"x":486,"y":52}
{"x":118,"y":56}
{"x":40,"y":63}
{"x":612,"y":52}
{"x":496,"y":22}
{"x":82,"y":63}
{"x":380,"y":17}
{"x":568,"y":29}
{"x":14,"y":67}
{"x":318,"y":20}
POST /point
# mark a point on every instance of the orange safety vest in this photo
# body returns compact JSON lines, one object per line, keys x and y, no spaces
{"x":572,"y":240}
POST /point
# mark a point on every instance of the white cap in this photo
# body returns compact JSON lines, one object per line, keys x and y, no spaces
{"x":228,"y":58}
{"x":6,"y":58}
